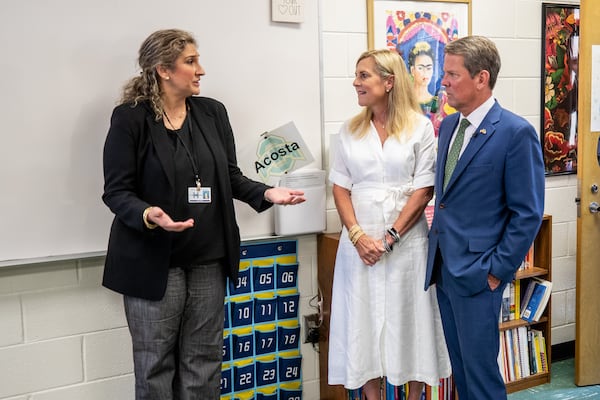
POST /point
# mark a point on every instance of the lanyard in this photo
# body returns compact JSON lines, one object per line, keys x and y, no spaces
{"x":187,"y":151}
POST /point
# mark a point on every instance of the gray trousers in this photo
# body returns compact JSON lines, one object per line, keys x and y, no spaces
{"x":178,"y":341}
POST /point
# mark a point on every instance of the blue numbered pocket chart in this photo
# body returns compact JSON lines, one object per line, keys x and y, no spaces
{"x":261,"y":340}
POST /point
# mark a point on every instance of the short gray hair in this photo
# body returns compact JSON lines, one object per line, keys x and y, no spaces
{"x":479,"y":53}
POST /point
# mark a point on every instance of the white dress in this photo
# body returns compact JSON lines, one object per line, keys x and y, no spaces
{"x":383,"y":323}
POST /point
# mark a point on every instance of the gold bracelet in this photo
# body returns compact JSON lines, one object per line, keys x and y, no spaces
{"x":357,"y":236}
{"x":148,"y":224}
{"x":353,"y":229}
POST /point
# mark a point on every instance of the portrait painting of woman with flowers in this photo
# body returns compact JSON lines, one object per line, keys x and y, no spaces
{"x":419,"y":32}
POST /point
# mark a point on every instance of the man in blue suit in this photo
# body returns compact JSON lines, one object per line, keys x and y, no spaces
{"x":489,"y":205}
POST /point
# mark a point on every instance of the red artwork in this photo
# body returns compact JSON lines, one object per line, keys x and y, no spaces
{"x":559,"y":99}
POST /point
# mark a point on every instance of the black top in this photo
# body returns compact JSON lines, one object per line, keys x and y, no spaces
{"x":205,"y":241}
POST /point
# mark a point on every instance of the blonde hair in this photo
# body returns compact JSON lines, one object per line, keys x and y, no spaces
{"x":160,"y":48}
{"x":402,"y":104}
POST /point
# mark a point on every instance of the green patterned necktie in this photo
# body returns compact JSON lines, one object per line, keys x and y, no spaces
{"x":454,"y":152}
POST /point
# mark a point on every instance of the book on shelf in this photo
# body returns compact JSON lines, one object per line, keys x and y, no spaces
{"x":517,"y":308}
{"x":510,"y":359}
{"x":511,"y":295}
{"x":511,"y":308}
{"x":532,"y":355}
{"x":538,"y":354}
{"x":501,"y":359}
{"x":516,"y":354}
{"x":522,"y":353}
{"x":543,"y":353}
{"x":536,"y":298}
{"x":505,"y":309}
{"x":528,"y":260}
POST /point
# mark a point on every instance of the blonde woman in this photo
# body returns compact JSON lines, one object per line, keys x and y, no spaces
{"x":383,"y":324}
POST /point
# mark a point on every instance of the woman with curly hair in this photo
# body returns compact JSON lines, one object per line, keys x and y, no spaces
{"x":170,"y":177}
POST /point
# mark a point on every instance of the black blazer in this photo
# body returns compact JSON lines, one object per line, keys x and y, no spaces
{"x":138,"y":173}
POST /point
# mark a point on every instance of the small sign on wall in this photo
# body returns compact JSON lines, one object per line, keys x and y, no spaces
{"x":287,"y":11}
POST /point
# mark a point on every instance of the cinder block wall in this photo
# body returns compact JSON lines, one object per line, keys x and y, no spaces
{"x":61,"y":335}
{"x":64,"y":337}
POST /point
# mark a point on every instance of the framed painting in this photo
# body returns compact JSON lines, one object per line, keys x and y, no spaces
{"x":419,"y":32}
{"x":560,"y":55}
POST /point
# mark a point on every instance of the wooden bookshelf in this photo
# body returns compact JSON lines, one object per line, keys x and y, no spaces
{"x":542,"y":260}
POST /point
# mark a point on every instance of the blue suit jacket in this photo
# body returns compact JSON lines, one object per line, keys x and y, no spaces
{"x":488,"y":216}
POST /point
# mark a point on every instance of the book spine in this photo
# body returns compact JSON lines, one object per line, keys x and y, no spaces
{"x":505,"y":309}
{"x":543,"y":358}
{"x":529,"y":258}
{"x":523,"y":351}
{"x":517,"y":299}
{"x":510,"y":356}
{"x":516,"y":354}
{"x":512,"y":309}
{"x":502,"y":358}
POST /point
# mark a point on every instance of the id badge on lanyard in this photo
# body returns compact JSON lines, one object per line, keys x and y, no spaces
{"x":199,"y":194}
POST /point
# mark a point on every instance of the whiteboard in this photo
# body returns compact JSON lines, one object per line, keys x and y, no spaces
{"x":62,"y":69}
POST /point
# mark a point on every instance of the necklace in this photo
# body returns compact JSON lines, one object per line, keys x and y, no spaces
{"x":381,"y":124}
{"x":183,"y":115}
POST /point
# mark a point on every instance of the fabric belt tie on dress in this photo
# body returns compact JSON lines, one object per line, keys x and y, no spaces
{"x":391,"y":199}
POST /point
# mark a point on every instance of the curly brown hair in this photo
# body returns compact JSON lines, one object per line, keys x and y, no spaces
{"x":161,"y":48}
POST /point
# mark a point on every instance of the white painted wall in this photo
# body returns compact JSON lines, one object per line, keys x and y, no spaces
{"x":64,"y":337}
